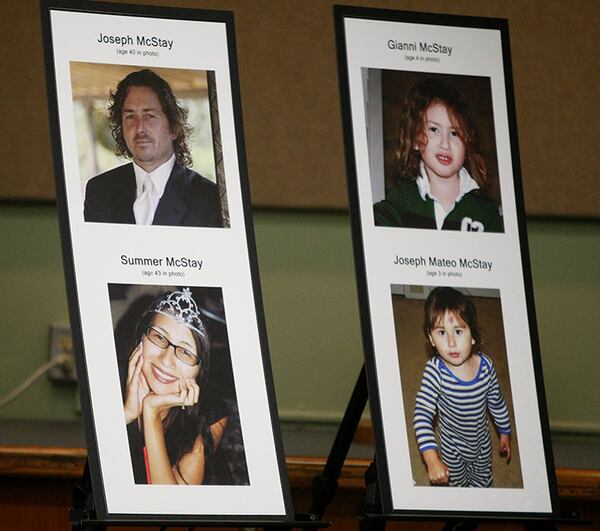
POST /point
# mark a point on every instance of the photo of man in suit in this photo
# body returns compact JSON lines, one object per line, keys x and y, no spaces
{"x":157,"y":187}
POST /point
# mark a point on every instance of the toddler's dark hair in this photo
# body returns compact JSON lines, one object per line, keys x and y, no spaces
{"x":442,"y":300}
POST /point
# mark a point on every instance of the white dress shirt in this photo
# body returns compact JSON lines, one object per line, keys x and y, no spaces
{"x":148,"y":193}
{"x":466,"y":185}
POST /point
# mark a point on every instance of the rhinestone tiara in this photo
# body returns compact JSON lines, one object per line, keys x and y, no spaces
{"x":180,"y":305}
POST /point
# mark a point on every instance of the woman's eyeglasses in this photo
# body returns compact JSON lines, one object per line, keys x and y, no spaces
{"x":181,"y":353}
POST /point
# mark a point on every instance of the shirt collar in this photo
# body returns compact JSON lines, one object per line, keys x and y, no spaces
{"x":159,"y":176}
{"x":466,"y":184}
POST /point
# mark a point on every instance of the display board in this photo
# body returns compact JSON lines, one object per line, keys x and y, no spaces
{"x":165,"y":306}
{"x":447,"y":313}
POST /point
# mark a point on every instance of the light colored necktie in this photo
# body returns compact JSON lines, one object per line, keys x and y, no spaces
{"x":145,"y":205}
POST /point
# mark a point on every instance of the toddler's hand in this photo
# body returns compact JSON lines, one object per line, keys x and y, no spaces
{"x":436,"y":470}
{"x":505,"y":446}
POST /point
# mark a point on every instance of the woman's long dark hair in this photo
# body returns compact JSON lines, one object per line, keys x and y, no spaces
{"x":182,"y":427}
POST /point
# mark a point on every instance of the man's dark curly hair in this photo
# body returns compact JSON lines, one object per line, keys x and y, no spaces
{"x":176,"y":114}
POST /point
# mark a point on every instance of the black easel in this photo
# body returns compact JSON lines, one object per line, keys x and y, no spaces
{"x":370,"y":514}
{"x":83,"y":516}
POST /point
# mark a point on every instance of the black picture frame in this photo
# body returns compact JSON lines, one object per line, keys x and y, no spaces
{"x":363,"y":44}
{"x":233,"y":273}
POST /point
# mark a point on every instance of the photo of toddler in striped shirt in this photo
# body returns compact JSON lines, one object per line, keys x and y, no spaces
{"x":459,"y":387}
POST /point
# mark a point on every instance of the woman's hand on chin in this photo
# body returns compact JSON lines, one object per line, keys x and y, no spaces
{"x":137,"y":386}
{"x":189,"y":393}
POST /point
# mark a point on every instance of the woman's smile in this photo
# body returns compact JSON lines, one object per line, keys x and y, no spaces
{"x":163,"y":376}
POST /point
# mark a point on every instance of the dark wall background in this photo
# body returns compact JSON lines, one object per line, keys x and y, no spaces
{"x":290,"y":97}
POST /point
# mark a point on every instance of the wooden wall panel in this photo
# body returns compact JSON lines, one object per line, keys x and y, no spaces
{"x":26,"y":170}
{"x":290,"y":97}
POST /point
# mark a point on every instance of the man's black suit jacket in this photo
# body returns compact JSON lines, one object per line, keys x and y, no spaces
{"x":188,"y":200}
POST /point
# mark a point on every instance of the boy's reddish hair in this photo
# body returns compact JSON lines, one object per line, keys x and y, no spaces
{"x":421,"y":95}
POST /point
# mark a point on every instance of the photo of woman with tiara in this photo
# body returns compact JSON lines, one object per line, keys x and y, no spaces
{"x":437,"y":174}
{"x":179,"y":398}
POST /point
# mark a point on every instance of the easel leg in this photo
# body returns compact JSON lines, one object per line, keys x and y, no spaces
{"x":83,"y":503}
{"x":372,"y":501}
{"x":325,"y":484}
